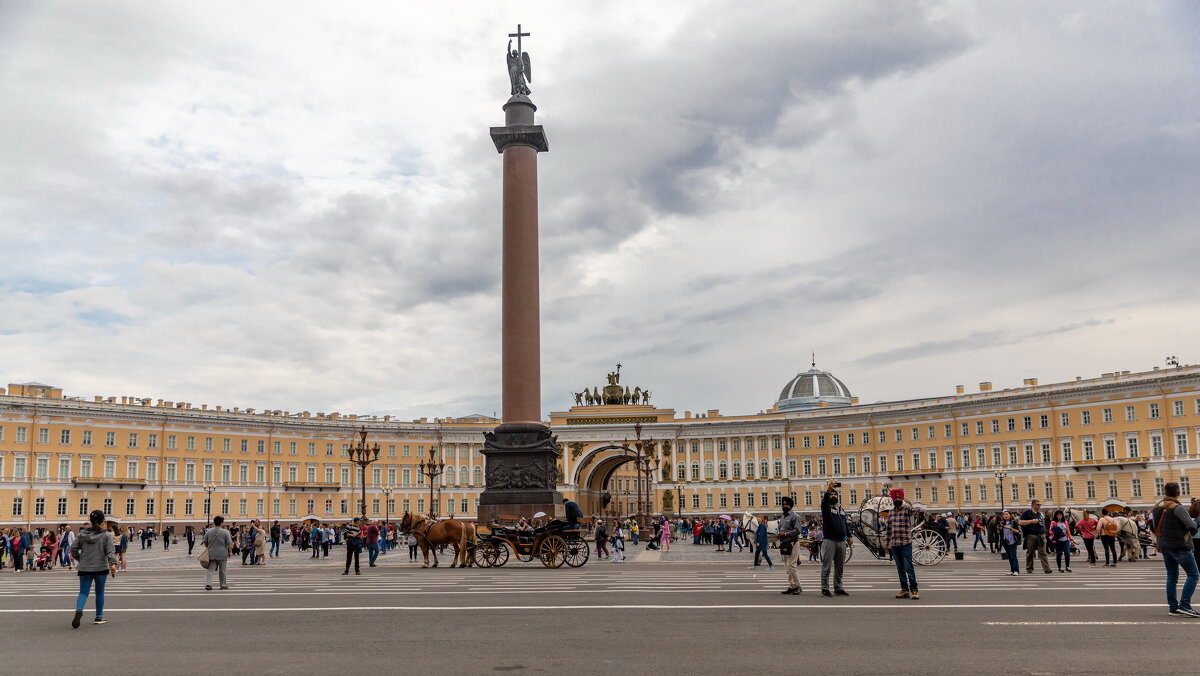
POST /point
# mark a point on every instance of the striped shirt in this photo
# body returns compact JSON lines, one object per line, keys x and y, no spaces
{"x":351,"y":531}
{"x":900,"y":525}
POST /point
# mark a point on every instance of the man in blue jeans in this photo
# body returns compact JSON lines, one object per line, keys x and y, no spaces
{"x":1174,"y":528}
{"x":371,"y":537}
{"x":899,"y":538}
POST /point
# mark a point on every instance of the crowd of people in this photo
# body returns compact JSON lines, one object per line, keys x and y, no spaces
{"x":99,"y":549}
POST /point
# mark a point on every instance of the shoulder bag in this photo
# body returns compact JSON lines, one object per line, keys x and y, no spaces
{"x":203,"y":558}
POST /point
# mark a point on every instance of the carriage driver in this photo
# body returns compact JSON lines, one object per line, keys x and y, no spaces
{"x":574,"y":514}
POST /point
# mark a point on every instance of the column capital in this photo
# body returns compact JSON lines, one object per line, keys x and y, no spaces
{"x":520,"y":135}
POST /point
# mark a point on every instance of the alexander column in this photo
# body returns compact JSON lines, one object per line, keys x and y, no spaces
{"x":520,"y":453}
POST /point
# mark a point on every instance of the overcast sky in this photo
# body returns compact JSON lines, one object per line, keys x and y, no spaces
{"x":297,"y":205}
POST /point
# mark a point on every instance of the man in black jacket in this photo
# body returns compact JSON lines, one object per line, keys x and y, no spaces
{"x":1175,"y":528}
{"x":833,"y":546}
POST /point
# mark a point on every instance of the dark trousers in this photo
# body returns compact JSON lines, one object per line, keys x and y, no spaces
{"x":1110,"y":545}
{"x":245,"y":554}
{"x":902,"y":556}
{"x":352,"y":554}
{"x":1013,"y":564}
{"x":316,"y":551}
{"x":1062,"y":549}
{"x":762,"y":550}
{"x":1090,"y":545}
{"x":191,"y":543}
{"x":412,"y":552}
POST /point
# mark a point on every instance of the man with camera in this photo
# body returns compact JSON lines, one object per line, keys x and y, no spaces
{"x":833,"y":546}
{"x":788,"y":534}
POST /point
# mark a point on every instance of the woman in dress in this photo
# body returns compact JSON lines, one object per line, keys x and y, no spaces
{"x":260,"y":546}
{"x":122,"y":545}
{"x":664,"y":539}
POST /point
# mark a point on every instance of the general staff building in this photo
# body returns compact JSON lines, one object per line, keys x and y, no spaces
{"x":1108,"y":442}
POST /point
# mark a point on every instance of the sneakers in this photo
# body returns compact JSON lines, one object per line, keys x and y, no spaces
{"x":224,"y":586}
{"x":770,"y":568}
{"x":101,"y":620}
{"x":915,"y":595}
{"x":826,"y":592}
{"x":1187,"y":612}
{"x":751,"y":567}
{"x":79,"y":615}
{"x":1050,"y":572}
{"x":791,"y":590}
{"x":903,"y":595}
{"x":1068,"y":570}
{"x":346,"y":573}
{"x":841,"y":592}
{"x":208,"y":587}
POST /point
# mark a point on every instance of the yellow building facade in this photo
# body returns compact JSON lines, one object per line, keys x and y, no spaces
{"x":1103,"y":442}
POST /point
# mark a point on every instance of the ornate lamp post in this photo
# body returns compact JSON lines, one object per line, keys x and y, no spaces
{"x":362,"y":455}
{"x":643,"y":455}
{"x":679,"y":497}
{"x":387,"y":505}
{"x":432,"y":470}
{"x":1000,"y":476}
{"x":209,"y":489}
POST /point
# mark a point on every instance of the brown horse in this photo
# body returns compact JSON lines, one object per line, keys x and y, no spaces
{"x":431,"y":533}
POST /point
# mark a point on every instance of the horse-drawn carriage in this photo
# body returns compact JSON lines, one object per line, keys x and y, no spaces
{"x":929,"y":548}
{"x":868,"y":526}
{"x":553,"y":544}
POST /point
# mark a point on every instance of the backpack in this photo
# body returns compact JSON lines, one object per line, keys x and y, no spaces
{"x":1110,"y":528}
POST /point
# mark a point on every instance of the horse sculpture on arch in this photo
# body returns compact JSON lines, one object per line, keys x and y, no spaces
{"x":431,"y":533}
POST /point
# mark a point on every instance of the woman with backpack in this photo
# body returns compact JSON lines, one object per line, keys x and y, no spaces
{"x":1108,"y":538}
{"x":1060,"y":539}
{"x":96,"y":558}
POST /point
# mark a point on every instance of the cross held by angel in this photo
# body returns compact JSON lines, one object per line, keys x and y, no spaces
{"x":519,"y":74}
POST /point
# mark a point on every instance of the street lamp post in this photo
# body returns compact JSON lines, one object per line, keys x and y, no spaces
{"x":208,"y":490}
{"x":362,"y":455}
{"x":432,"y":470}
{"x":679,"y":497}
{"x":387,"y":505}
{"x":642,"y":453}
{"x":1000,"y":475}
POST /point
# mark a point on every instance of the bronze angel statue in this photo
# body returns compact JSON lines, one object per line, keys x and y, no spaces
{"x":518,"y":71}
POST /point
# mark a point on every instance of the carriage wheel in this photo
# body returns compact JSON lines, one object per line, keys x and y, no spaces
{"x":501,"y":554}
{"x":849,"y":551}
{"x":553,"y":551}
{"x":485,"y":554}
{"x":577,"y":553}
{"x":928,"y":547}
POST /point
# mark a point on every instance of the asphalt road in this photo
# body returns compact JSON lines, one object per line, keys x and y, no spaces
{"x":602,"y":618}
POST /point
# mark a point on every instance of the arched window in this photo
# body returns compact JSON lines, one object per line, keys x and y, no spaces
{"x":478,"y":475}
{"x":778,"y":468}
{"x":749,"y":469}
{"x":737,"y":470}
{"x":723,"y":470}
{"x":462,"y":476}
{"x":708,"y":469}
{"x":682,"y":471}
{"x":764,"y":470}
{"x":695,"y":471}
